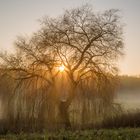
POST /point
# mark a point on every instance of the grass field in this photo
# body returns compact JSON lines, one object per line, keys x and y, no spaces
{"x":104,"y":134}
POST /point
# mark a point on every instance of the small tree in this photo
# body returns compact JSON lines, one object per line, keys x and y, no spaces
{"x":70,"y":54}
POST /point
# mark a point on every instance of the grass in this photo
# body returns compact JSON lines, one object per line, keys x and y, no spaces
{"x":103,"y":134}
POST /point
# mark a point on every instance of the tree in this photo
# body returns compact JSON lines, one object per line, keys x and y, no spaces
{"x":70,"y":54}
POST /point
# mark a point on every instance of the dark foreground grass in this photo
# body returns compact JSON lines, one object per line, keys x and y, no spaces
{"x":104,"y":134}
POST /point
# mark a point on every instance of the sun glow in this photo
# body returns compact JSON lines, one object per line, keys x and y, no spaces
{"x":61,"y":68}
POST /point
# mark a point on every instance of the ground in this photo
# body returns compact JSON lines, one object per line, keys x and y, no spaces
{"x":102,"y":134}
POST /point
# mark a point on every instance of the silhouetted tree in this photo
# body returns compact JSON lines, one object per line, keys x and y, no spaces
{"x":85,"y":43}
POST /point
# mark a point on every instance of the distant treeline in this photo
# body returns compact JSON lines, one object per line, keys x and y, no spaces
{"x":129,"y":82}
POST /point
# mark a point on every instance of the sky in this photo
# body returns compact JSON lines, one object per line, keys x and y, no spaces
{"x":20,"y":17}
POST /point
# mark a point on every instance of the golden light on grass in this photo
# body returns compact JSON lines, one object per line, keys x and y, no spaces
{"x":61,"y":68}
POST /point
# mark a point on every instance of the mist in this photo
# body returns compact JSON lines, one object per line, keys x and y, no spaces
{"x":129,"y":99}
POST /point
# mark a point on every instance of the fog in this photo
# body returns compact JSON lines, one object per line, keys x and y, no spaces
{"x":129,"y":99}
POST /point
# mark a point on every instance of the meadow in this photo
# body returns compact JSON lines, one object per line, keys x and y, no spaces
{"x":102,"y":134}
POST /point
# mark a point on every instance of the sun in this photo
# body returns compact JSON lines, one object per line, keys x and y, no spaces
{"x":61,"y":68}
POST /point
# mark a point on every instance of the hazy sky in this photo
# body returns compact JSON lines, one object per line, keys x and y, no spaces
{"x":19,"y":17}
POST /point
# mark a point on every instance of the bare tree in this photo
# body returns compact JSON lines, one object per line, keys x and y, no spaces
{"x":73,"y":53}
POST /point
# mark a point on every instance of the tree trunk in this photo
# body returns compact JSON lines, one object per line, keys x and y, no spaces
{"x":64,"y":108}
{"x":64,"y":114}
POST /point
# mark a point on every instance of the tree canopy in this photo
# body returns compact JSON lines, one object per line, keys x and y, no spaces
{"x":72,"y":54}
